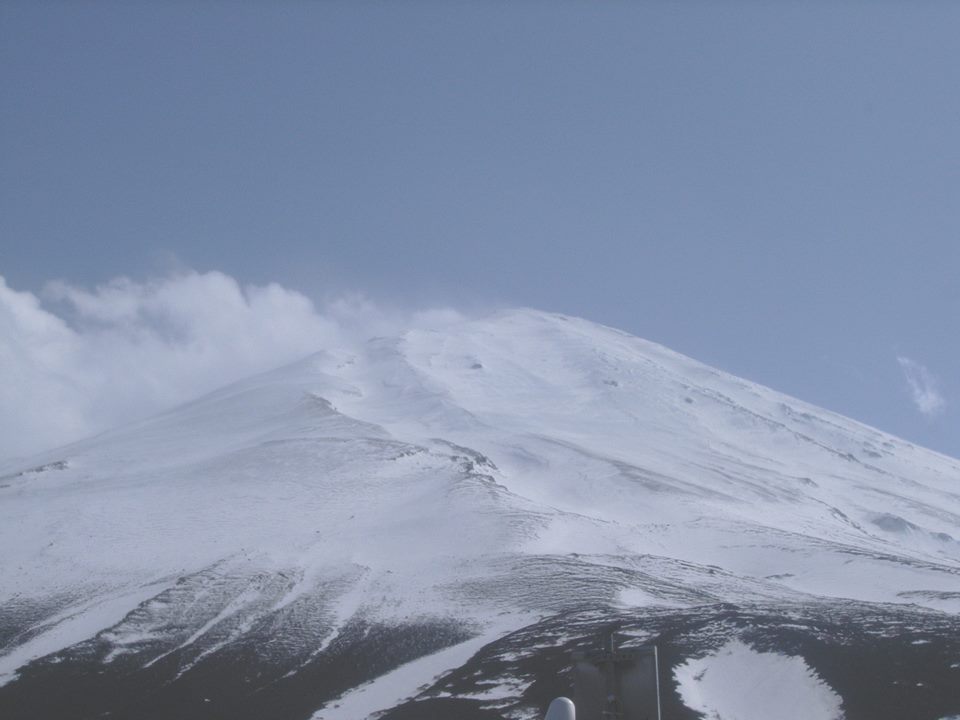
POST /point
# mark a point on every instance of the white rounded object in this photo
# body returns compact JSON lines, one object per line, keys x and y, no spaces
{"x":561,"y":709}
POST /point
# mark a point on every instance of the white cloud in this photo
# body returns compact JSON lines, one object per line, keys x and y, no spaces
{"x":80,"y":361}
{"x":923,"y":387}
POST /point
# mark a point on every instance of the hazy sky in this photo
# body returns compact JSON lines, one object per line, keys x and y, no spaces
{"x":772,"y":188}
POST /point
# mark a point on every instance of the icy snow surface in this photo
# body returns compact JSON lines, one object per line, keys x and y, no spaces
{"x":519,"y":464}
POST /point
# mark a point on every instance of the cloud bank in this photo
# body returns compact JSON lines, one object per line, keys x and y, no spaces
{"x":923,"y":387}
{"x":76,"y":361}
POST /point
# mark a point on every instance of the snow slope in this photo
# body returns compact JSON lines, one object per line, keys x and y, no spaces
{"x":471,"y":480}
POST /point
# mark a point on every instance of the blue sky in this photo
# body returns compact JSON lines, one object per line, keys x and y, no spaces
{"x":771,"y":188}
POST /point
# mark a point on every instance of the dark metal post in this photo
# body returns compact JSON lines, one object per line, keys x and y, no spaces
{"x":615,"y":684}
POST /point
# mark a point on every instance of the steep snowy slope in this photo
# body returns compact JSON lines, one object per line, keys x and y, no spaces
{"x":395,"y":512}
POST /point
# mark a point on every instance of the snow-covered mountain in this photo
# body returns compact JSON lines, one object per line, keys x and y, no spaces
{"x":425,"y":526}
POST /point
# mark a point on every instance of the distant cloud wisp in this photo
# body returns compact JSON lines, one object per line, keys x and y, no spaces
{"x":75,"y":361}
{"x":923,"y":387}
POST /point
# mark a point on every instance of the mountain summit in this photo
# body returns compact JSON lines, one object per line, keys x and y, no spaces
{"x":426,"y":525}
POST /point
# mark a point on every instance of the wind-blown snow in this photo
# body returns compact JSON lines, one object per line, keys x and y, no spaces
{"x":520,"y":464}
{"x":739,"y":683}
